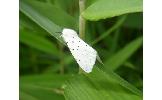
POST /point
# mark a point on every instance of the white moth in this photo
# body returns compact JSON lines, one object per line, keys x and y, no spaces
{"x":84,"y":54}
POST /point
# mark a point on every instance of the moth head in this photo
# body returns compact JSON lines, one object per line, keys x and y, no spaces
{"x":69,"y":33}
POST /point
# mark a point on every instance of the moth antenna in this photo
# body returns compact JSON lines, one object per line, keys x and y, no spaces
{"x":61,"y":36}
{"x":59,"y":32}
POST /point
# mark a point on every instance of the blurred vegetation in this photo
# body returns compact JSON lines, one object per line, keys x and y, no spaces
{"x":49,"y":72}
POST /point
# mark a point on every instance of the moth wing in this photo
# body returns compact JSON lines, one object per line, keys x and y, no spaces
{"x":84,"y":54}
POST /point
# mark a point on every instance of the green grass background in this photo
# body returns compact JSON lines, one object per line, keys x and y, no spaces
{"x":49,"y":72}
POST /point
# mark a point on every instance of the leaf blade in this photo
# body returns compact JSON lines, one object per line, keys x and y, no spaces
{"x":42,"y":87}
{"x":38,"y":42}
{"x":97,"y":86}
{"x":118,"y":59}
{"x":109,"y":8}
{"x":52,"y":20}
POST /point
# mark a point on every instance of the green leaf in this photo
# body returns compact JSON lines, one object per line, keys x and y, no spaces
{"x":38,"y":42}
{"x":32,"y":92}
{"x":45,"y":80}
{"x":49,"y":17}
{"x":42,"y":87}
{"x":26,"y":23}
{"x":103,"y":9}
{"x":97,"y":85}
{"x":121,"y":56}
{"x":121,"y":81}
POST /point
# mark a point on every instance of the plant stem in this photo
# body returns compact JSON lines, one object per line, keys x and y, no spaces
{"x":82,"y":23}
{"x":81,"y":19}
{"x":61,"y":59}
